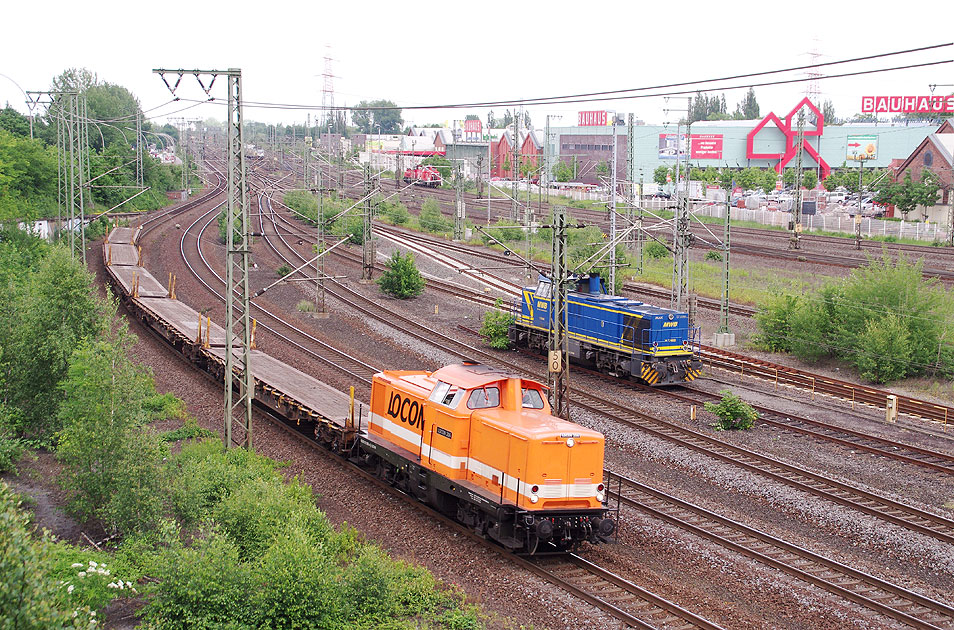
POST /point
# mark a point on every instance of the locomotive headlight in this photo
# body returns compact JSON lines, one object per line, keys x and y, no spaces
{"x":570,"y":442}
{"x":600,"y":496}
{"x":534,"y":498}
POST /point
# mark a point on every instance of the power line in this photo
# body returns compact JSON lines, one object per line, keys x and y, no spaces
{"x":614,"y":95}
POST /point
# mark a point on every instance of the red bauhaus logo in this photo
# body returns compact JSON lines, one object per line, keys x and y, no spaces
{"x":790,"y":130}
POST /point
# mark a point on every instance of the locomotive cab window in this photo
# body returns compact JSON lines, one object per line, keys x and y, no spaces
{"x":543,"y":290}
{"x":532,"y":399}
{"x":446,"y":394}
{"x":484,"y":398}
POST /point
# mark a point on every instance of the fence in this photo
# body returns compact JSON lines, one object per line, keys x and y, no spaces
{"x":830,"y":222}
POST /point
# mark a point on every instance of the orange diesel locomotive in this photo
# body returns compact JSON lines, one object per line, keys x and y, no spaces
{"x":481,"y":446}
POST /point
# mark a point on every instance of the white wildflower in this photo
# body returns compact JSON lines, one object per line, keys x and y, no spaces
{"x":93,"y":564}
{"x":76,"y":565}
{"x":69,"y":589}
{"x":128,"y":583}
{"x":112,"y":585}
{"x":106,"y":572}
{"x":81,"y":574}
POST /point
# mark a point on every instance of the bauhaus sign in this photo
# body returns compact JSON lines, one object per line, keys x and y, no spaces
{"x":907,"y":104}
{"x":592,"y":119}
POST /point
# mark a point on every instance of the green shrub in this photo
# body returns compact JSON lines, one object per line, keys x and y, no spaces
{"x":885,"y":319}
{"x":714,"y":254}
{"x":395,"y":212}
{"x":655,"y":250}
{"x":283,"y":271}
{"x":306,"y":306}
{"x":503,"y":230}
{"x":30,"y":596}
{"x":302,"y":583}
{"x":496,"y":326}
{"x":205,"y":586}
{"x":774,"y":320}
{"x":431,"y":219}
{"x":258,"y":510}
{"x":189,"y":430}
{"x":885,"y":349}
{"x":402,"y":278}
{"x":203,"y":475}
{"x":733,"y":412}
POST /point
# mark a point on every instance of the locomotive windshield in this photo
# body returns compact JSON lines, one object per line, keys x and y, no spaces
{"x":484,"y":398}
{"x":446,"y":394}
{"x":543,"y":289}
{"x":532,"y":399}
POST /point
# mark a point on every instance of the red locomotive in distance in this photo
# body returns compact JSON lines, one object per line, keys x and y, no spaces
{"x":423,"y":176}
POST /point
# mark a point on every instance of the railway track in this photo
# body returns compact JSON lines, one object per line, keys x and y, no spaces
{"x":627,"y":602}
{"x":867,"y":590}
{"x":851,"y":392}
{"x":840,"y":493}
{"x":870,"y":503}
{"x":822,"y":431}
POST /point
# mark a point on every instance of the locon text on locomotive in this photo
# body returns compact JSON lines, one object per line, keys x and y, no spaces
{"x":409,"y":411}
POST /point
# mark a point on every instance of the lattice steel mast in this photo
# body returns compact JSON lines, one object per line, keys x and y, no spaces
{"x":238,"y":247}
{"x":558,"y":378}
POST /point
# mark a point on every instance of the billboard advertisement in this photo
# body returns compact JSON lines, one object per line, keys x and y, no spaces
{"x":671,"y":146}
{"x":472,"y":126}
{"x":862,"y":148}
{"x":593,"y":119}
{"x":907,"y":104}
{"x":706,"y":146}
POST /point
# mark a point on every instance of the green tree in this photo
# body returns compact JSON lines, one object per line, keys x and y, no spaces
{"x":496,"y":326}
{"x":380,"y":112}
{"x":110,"y":467}
{"x":13,"y":121}
{"x":58,"y":309}
{"x":828,"y":112}
{"x":402,"y":278}
{"x":659,"y":175}
{"x":442,"y":164}
{"x":27,"y":178}
{"x":562,"y":172}
{"x":748,"y":107}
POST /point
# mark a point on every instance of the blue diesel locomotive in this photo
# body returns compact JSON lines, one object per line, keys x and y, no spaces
{"x":613,"y":334}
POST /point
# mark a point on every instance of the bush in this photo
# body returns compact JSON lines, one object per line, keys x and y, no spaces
{"x":203,"y":475}
{"x":30,"y":597}
{"x":395,"y":212}
{"x":302,"y":583}
{"x":655,"y":250}
{"x":496,"y":326}
{"x":714,"y":254}
{"x":885,"y":350}
{"x":431,"y":219}
{"x":187,"y":431}
{"x":863,"y":319}
{"x":503,"y":230}
{"x":733,"y":412}
{"x":774,"y":320}
{"x":258,"y":510}
{"x":306,"y":306}
{"x":203,"y":587}
{"x":283,"y":271}
{"x":402,"y":278}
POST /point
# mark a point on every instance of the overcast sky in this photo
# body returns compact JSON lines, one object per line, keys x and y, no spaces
{"x":427,"y":53}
